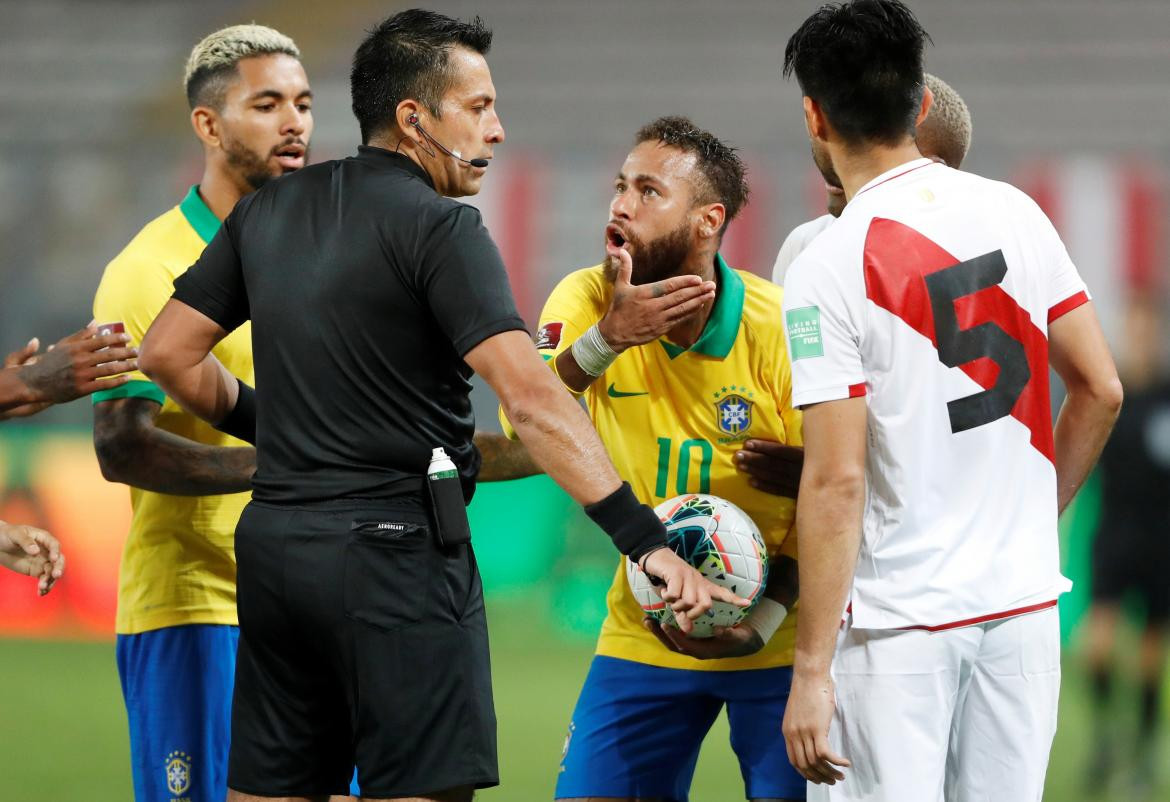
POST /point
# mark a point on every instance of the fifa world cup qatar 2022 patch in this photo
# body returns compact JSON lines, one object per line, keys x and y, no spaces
{"x":549,"y":336}
{"x":804,"y":332}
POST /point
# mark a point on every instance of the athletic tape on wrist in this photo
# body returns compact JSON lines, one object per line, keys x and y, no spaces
{"x":631,"y":525}
{"x":766,"y":618}
{"x":592,"y":352}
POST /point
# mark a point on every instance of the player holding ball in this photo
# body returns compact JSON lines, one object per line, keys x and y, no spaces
{"x":680,"y":359}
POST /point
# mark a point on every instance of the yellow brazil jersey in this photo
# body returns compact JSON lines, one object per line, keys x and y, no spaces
{"x":178,"y":564}
{"x":672,"y":420}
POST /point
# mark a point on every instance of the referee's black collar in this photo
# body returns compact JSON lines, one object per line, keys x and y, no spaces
{"x":388,"y":158}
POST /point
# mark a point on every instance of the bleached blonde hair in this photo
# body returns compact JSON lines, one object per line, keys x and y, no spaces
{"x":214,"y":59}
{"x":949,"y":120}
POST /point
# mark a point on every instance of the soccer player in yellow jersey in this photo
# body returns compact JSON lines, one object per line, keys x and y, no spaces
{"x":680,"y":359}
{"x":177,"y":628}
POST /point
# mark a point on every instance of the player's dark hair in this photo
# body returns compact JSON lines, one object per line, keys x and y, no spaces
{"x":861,"y":61}
{"x":407,"y":57}
{"x":724,"y":178}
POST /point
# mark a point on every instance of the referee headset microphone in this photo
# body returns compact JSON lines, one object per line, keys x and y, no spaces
{"x":413,"y":120}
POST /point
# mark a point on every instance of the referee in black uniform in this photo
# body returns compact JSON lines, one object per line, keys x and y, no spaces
{"x":373,"y":297}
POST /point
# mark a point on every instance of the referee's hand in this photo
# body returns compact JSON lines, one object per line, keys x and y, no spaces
{"x":688,"y":592}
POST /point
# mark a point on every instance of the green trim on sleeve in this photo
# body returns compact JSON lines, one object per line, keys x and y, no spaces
{"x":137,"y":388}
{"x":201,"y":218}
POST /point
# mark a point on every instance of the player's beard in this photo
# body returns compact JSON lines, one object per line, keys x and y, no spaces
{"x":825,"y":165}
{"x":657,"y":259}
{"x":253,"y":168}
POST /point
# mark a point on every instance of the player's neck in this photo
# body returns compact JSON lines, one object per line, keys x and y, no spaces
{"x":857,"y":167}
{"x":688,"y":331}
{"x":220,"y":191}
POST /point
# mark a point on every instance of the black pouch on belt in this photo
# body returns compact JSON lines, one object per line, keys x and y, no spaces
{"x":451,"y":525}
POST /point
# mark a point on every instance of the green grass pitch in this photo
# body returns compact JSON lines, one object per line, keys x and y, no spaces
{"x":63,"y":728}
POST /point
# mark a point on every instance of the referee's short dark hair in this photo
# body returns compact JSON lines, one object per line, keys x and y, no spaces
{"x":722,"y":176}
{"x":407,"y":57}
{"x":861,"y":61}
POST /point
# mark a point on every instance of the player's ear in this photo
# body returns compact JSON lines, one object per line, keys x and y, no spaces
{"x":927,"y":102}
{"x":814,"y":119}
{"x":711,"y":220}
{"x":406,"y":112}
{"x":205,"y":121}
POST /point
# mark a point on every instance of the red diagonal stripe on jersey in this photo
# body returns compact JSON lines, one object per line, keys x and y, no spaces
{"x":897,"y":258}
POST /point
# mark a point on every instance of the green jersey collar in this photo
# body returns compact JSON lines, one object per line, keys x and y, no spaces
{"x":201,"y":218}
{"x":723,"y":325}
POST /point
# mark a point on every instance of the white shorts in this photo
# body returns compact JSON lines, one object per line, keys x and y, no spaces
{"x":962,"y":715}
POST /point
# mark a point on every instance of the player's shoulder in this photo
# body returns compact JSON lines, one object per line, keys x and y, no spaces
{"x":586,"y":277}
{"x":587,"y":284}
{"x":761,"y":316}
{"x":759,"y":294}
{"x":990,"y":192}
{"x":167,"y":243}
{"x":803,"y":235}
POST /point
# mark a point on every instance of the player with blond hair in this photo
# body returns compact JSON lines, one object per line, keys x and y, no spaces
{"x":251,"y":109}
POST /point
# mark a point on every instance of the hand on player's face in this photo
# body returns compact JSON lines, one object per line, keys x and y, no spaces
{"x":806,"y":730}
{"x":739,"y":641}
{"x":651,"y":214}
{"x":33,"y":552}
{"x":641,"y":314}
{"x":687,"y":591}
{"x":772,"y":467}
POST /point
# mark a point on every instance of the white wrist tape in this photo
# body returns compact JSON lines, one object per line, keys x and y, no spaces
{"x":766,"y":618}
{"x":592,"y":353}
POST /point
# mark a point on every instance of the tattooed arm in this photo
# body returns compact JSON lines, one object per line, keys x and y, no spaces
{"x":132,"y":450}
{"x":503,"y":459}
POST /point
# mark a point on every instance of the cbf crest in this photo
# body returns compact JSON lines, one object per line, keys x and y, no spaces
{"x":178,"y":773}
{"x":733,"y":408}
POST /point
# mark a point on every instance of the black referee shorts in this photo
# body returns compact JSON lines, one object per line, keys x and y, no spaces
{"x":361,"y":643}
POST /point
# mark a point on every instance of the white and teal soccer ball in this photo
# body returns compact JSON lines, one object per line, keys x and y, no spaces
{"x":720,"y":540}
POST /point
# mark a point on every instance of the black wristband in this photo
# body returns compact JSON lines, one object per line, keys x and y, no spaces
{"x":241,"y":421}
{"x":631,"y":525}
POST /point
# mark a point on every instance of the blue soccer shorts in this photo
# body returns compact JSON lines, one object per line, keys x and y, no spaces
{"x":177,"y":683}
{"x":637,"y":729}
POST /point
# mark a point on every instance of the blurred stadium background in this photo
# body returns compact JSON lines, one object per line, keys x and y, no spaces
{"x":1070,"y":101}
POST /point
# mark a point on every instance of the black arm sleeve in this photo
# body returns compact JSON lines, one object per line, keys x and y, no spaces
{"x":464,"y":281}
{"x":214,"y":285}
{"x":241,"y":421}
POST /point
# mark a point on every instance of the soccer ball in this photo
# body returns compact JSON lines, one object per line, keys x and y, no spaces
{"x":720,"y":540}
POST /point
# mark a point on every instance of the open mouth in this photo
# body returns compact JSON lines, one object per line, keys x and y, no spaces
{"x":291,"y":157}
{"x":615,"y":238}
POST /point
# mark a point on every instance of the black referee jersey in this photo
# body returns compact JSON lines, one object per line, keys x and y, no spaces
{"x":365,"y":289}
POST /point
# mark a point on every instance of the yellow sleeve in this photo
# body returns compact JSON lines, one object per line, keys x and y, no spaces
{"x":132,"y":291}
{"x":577,"y":302}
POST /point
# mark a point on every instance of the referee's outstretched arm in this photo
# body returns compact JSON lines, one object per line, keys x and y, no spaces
{"x":176,"y":355}
{"x":562,"y":440}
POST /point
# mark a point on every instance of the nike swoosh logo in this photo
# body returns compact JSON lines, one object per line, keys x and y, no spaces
{"x":613,"y":393}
